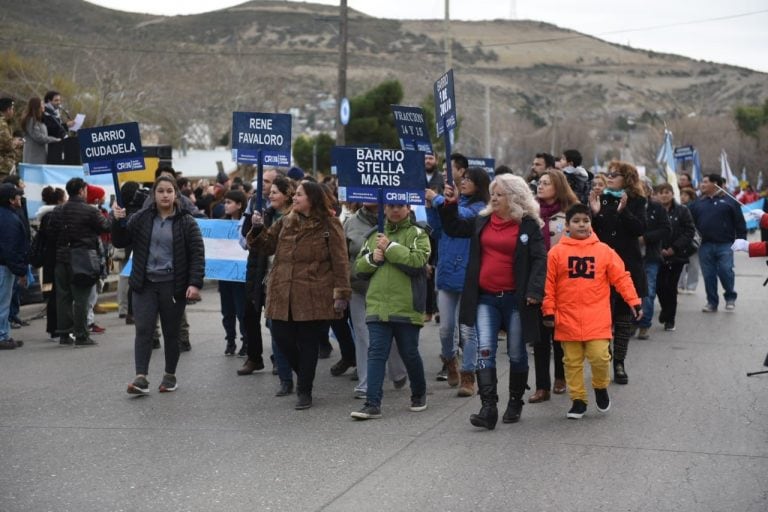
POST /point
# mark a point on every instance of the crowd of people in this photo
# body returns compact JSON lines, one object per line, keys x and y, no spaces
{"x":563,"y":261}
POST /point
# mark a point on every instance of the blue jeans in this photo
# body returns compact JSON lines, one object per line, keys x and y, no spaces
{"x":284,"y":371}
{"x":716,"y":261}
{"x":651,"y":273}
{"x":406,"y":336}
{"x":448,"y":305}
{"x":493,"y":313}
{"x":7,"y":279}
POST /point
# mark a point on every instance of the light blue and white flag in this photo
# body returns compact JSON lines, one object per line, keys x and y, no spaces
{"x":37,"y":177}
{"x":225,"y":260}
{"x":697,"y":176}
{"x":666,"y":160}
{"x":731,"y":181}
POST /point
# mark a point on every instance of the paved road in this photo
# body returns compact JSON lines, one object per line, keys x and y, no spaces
{"x":687,"y":434}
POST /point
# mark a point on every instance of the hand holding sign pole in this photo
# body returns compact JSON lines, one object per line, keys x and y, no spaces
{"x":259,"y":138}
{"x":445,"y":116}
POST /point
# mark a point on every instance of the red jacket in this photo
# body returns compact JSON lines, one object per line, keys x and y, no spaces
{"x":580,"y":274}
{"x":760,"y":248}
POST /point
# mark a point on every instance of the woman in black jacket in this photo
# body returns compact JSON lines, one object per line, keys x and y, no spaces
{"x":619,"y":219}
{"x":675,"y":251}
{"x":168,"y":269}
{"x":503,"y":286}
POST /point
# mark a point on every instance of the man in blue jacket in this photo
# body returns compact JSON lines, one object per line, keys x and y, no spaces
{"x":13,"y":257}
{"x":719,"y":220}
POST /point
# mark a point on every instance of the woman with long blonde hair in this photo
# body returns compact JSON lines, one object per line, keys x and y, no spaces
{"x":503,"y":287}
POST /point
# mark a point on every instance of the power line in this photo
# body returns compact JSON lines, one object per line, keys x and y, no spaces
{"x":623,"y":31}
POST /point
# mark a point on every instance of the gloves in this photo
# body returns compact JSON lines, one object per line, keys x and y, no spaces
{"x":339,"y":305}
{"x":740,"y":245}
{"x":756,"y":215}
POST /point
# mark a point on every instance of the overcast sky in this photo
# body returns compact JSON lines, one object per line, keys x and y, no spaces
{"x":732,"y":32}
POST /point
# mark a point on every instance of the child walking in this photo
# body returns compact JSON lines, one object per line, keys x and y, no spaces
{"x":577,"y":303}
{"x":395,"y":303}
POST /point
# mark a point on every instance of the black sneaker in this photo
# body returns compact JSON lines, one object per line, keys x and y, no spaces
{"x":341,"y":367}
{"x":66,"y":339}
{"x":442,"y":375}
{"x":305,"y":401}
{"x":368,"y":412}
{"x":168,"y":384}
{"x":139,"y":386}
{"x":9,"y":344}
{"x":578,"y":409}
{"x":418,"y":403}
{"x":669,"y":326}
{"x":85,"y":342}
{"x":400,"y":383}
{"x":602,"y":400}
{"x":230,"y":349}
{"x":243,"y":351}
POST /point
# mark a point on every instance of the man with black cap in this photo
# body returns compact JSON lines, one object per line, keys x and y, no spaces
{"x":13,"y":257}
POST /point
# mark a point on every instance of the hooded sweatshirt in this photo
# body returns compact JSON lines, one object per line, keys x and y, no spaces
{"x":577,"y":292}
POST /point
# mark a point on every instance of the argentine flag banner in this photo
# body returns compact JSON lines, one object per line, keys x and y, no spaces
{"x":225,"y":260}
{"x":37,"y":177}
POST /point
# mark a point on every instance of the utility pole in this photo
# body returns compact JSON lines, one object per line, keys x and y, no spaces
{"x":448,"y":43}
{"x":342,"y":86}
{"x":487,"y":121}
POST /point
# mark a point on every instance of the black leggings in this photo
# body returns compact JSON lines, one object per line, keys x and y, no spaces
{"x":299,"y":342}
{"x":542,"y":352}
{"x":157,"y":298}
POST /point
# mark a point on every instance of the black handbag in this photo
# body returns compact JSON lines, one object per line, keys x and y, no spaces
{"x":86,"y":266}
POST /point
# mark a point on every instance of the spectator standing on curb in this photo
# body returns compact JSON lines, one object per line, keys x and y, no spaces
{"x":13,"y":262}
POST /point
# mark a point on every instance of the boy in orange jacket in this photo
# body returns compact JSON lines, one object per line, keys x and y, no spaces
{"x":577,"y":303}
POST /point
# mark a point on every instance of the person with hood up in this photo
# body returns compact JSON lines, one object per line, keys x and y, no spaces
{"x":579,"y":178}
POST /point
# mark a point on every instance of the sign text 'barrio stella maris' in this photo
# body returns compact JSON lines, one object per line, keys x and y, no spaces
{"x":362,"y":172}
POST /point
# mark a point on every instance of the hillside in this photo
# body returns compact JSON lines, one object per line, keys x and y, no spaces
{"x":182,"y":71}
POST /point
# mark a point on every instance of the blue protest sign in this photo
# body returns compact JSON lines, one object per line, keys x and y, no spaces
{"x":684,"y":153}
{"x":111,"y":148}
{"x":412,"y":128}
{"x":363,"y":171}
{"x":489,"y":164}
{"x":256,"y":131}
{"x":445,"y":103}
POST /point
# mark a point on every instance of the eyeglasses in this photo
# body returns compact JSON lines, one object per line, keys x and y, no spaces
{"x":614,"y":175}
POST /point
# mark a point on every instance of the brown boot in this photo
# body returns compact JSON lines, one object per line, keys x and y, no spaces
{"x":467,"y":387}
{"x":540,"y":395}
{"x":249,"y":367}
{"x":559,"y":387}
{"x":452,"y":365}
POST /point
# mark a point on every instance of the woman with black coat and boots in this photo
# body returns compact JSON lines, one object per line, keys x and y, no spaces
{"x":280,"y":202}
{"x":675,"y":251}
{"x":619,"y":219}
{"x":168,"y":269}
{"x":503,"y":287}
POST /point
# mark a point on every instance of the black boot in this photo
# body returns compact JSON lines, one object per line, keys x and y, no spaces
{"x":518,"y":381}
{"x":489,"y":414}
{"x":620,"y":373}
